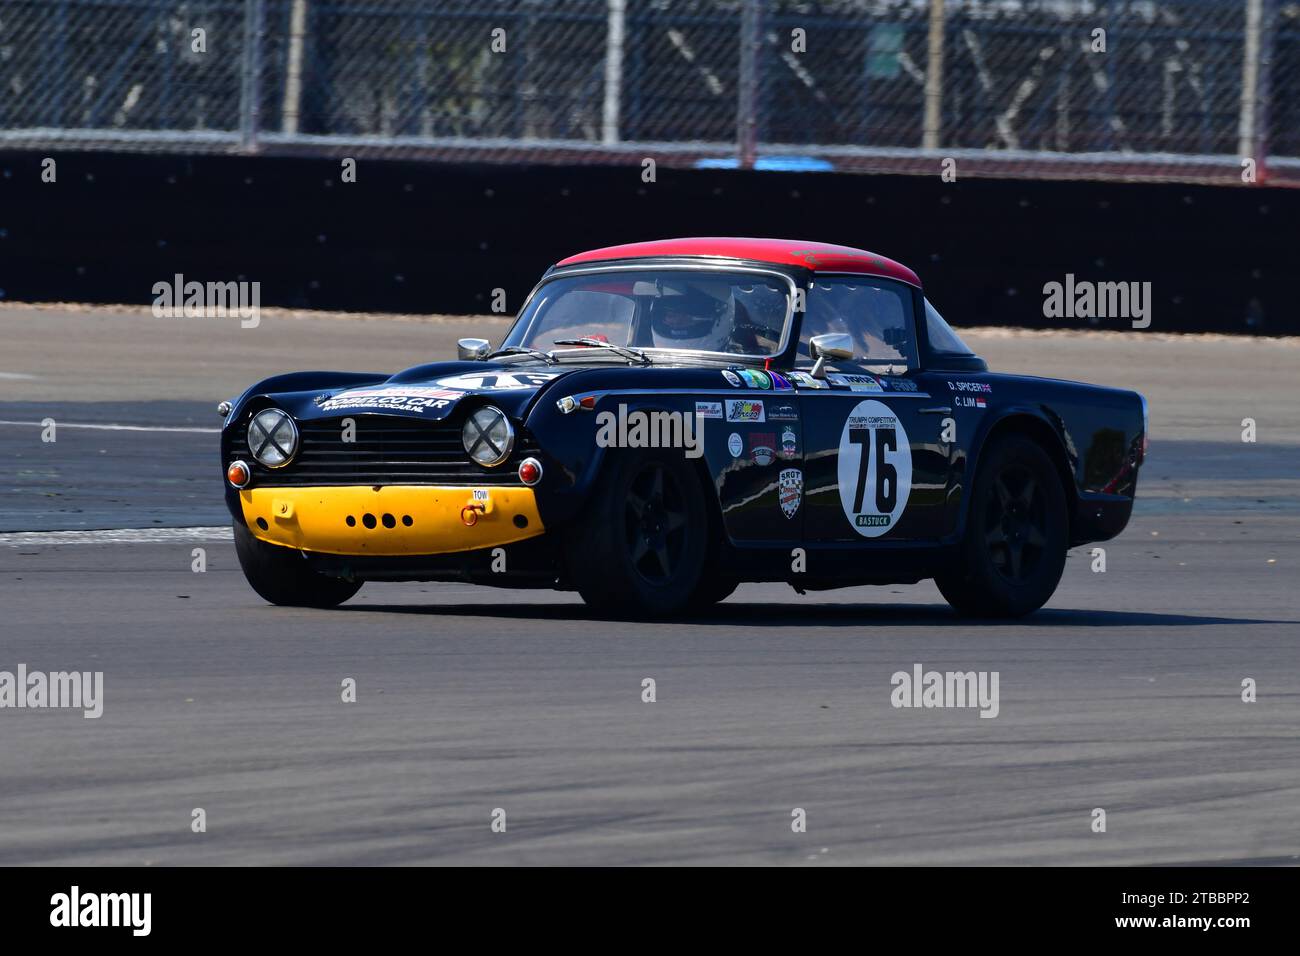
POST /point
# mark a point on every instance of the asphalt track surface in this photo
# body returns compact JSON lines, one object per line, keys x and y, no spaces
{"x":1124,"y":693}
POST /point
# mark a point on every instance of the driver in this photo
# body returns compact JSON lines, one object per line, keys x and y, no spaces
{"x":692,"y":318}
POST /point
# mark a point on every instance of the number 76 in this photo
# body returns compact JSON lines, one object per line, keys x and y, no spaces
{"x":886,"y":475}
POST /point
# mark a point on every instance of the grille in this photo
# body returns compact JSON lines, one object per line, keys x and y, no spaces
{"x":387,"y":451}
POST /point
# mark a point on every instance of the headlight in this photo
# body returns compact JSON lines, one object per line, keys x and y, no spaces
{"x":488,"y":436}
{"x":272,"y":437}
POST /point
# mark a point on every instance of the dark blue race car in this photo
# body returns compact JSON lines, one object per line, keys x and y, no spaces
{"x":665,"y":420}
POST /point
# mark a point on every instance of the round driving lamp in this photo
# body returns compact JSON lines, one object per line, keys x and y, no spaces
{"x":272,"y":437}
{"x":488,"y":436}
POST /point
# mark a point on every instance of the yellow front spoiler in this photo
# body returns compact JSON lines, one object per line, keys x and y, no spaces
{"x":391,"y":519}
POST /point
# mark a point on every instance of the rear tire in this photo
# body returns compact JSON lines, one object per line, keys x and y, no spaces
{"x":638,"y":548}
{"x":1017,"y":534}
{"x":281,"y":576}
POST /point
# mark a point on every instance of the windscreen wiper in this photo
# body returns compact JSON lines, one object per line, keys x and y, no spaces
{"x":624,"y":350}
{"x":546,"y":357}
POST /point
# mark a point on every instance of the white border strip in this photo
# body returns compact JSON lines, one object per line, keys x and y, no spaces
{"x":120,"y":428}
{"x":118,"y":536}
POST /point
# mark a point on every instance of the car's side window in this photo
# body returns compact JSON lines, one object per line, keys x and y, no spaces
{"x":875,"y":313}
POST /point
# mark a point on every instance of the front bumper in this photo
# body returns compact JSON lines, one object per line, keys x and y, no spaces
{"x":391,"y":520}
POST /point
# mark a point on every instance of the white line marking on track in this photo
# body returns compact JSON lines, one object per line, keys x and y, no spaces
{"x":121,"y":428}
{"x":117,"y":536}
{"x":16,"y":376}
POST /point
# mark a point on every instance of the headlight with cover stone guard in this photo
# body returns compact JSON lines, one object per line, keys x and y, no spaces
{"x":488,"y":436}
{"x":272,"y":437}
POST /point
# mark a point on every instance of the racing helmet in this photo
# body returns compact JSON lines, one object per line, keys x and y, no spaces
{"x":696,"y":316}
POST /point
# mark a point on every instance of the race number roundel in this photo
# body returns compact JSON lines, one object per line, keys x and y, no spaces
{"x":875,"y":469}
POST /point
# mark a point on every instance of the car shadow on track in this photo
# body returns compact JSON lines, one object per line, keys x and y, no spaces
{"x":819,"y":615}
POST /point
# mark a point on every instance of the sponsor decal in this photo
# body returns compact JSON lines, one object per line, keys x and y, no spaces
{"x":762,"y":447}
{"x":743,"y":410}
{"x":807,"y":381}
{"x":732,"y":378}
{"x":780,"y":382}
{"x":969,"y":401}
{"x":782,"y":413}
{"x":756,"y":379}
{"x":875,"y":468}
{"x":789,"y":489}
{"x":401,"y":398}
{"x":735,"y":445}
{"x":984,"y":387}
{"x":898,"y":384}
{"x":855,"y":383}
{"x":708,"y":409}
{"x":497,"y":381}
{"x":789,"y":443}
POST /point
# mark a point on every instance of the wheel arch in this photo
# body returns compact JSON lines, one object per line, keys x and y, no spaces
{"x":587,"y":461}
{"x":1039,"y":430}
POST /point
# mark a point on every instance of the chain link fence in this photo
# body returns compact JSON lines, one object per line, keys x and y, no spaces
{"x":1197,"y":90}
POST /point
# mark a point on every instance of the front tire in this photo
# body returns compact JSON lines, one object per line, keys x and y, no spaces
{"x":281,"y":576}
{"x":1017,"y":534}
{"x":638,"y":549}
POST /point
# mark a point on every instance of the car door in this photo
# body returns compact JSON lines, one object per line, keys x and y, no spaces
{"x":875,"y":468}
{"x":759,"y":451}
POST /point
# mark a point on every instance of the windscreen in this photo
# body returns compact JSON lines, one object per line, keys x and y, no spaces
{"x":697,"y":310}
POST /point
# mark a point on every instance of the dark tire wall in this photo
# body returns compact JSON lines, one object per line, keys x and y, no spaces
{"x":439,"y":238}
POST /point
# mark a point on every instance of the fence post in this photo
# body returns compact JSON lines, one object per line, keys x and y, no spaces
{"x":1246,"y":142}
{"x":1264,"y":81}
{"x":250,"y":93}
{"x":747,"y":87}
{"x":613,"y":71}
{"x":293,"y":68}
{"x":934,"y":79}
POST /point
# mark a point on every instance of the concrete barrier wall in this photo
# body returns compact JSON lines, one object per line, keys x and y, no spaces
{"x":434,"y":238}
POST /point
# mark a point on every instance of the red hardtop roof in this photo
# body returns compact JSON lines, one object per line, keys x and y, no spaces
{"x":819,"y":256}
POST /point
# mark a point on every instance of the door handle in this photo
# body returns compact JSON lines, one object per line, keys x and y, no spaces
{"x":940,"y":410}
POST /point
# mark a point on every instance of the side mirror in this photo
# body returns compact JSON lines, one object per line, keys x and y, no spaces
{"x":473,"y":350}
{"x":835,"y":345}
